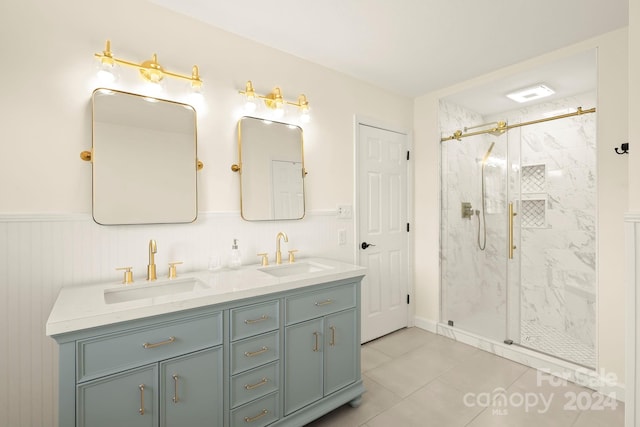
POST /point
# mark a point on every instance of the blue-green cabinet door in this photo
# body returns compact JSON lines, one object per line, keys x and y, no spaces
{"x":191,"y":390}
{"x":125,"y":399}
{"x":340,"y":350}
{"x":303,"y":364}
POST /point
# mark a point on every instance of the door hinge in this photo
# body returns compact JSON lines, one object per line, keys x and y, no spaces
{"x":408,"y":155}
{"x":408,"y":227}
{"x":408,"y":298}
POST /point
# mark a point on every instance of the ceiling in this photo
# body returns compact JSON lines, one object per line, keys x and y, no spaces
{"x":412,"y":47}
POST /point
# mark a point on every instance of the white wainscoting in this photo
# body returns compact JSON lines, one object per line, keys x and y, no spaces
{"x":39,"y":254}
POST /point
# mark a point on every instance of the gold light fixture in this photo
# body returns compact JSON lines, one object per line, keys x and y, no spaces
{"x":274,"y":101}
{"x":150,"y":70}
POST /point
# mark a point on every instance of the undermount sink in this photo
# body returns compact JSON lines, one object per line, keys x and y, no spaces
{"x":153,"y":289}
{"x":303,"y":267}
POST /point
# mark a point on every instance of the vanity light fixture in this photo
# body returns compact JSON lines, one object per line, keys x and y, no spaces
{"x":150,"y":70}
{"x":274,"y":101}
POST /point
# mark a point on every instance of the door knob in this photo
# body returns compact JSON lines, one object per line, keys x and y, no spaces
{"x":365,"y":245}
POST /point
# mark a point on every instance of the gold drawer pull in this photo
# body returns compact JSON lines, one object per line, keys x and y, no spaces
{"x":175,"y":398}
{"x":260,"y":415}
{"x":158,"y":344}
{"x":141,"y":410}
{"x":258,"y":320}
{"x":325,"y":302}
{"x":333,"y":336}
{"x":256,"y":353}
{"x":316,"y":347}
{"x":262,"y":382}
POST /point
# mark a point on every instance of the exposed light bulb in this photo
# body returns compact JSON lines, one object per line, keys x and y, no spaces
{"x":305,"y":117}
{"x":278,"y":112}
{"x":108,"y":72}
{"x":250,"y":105}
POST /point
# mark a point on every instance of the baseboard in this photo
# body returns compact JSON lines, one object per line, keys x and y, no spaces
{"x":426,"y":324}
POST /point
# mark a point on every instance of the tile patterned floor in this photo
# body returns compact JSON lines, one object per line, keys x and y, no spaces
{"x":552,"y":341}
{"x":416,"y":378}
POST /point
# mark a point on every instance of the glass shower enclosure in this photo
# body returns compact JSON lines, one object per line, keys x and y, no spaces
{"x":518,"y":229}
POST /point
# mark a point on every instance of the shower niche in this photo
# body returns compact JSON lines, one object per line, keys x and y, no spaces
{"x":531,"y":278}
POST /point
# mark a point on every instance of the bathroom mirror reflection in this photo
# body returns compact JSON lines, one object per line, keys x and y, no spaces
{"x":271,"y":167}
{"x":144,"y":160}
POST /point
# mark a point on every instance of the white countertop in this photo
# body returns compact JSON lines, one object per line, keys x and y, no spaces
{"x":83,"y":307}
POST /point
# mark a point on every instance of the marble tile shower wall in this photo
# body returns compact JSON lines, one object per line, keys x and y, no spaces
{"x":39,"y":254}
{"x":561,"y":293}
{"x":474,"y":281}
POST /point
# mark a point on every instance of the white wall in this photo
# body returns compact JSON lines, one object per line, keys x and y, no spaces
{"x":47,"y":238}
{"x":612,"y":191}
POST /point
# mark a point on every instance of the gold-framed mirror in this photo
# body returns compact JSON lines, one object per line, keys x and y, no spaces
{"x":144,"y":160}
{"x":271,"y":167}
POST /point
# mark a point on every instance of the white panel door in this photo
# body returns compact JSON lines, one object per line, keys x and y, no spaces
{"x":288,"y":199}
{"x":382,"y":207}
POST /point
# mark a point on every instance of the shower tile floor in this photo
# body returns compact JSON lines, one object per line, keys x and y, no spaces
{"x":550,"y":340}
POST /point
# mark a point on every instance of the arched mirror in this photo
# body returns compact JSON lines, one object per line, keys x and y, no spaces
{"x":271,"y":167}
{"x":144,"y":160}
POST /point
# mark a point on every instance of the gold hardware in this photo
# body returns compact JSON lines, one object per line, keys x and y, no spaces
{"x":275,"y":101}
{"x":235,"y":168}
{"x":332,"y":343}
{"x":151,"y":268}
{"x":316,"y":346}
{"x":502,"y":127}
{"x":325,"y":302}
{"x":86,"y":156}
{"x":292,"y":258}
{"x":150,"y":70}
{"x":141,"y":410}
{"x":252,"y":419}
{"x":265,"y":259}
{"x":262,"y":382}
{"x":278,"y":253}
{"x":264,"y":349}
{"x":175,"y":389}
{"x":199,"y":165}
{"x":158,"y":344}
{"x":258,"y":320}
{"x":511,"y":214}
{"x":173,"y":273}
{"x":128,"y":275}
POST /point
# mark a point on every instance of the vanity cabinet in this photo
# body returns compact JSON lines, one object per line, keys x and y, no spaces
{"x":279,"y":359}
{"x":182,"y":390}
{"x":321,"y":353}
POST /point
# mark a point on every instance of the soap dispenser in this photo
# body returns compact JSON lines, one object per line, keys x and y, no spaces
{"x":235,"y":259}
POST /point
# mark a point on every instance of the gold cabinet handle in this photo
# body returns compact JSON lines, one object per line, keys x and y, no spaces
{"x":175,"y":398}
{"x":333,"y":336}
{"x":325,"y":302}
{"x":316,"y":347}
{"x":158,"y":344}
{"x":511,"y":214}
{"x":258,"y":320}
{"x":256,"y":353}
{"x":257,"y":417}
{"x":141,"y":410}
{"x":262,"y":382}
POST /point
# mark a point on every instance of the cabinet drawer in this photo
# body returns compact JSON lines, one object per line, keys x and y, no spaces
{"x":258,"y":413}
{"x":256,"y":351}
{"x":252,"y":384}
{"x":314,"y":304}
{"x":116,"y":352}
{"x":254,"y":319}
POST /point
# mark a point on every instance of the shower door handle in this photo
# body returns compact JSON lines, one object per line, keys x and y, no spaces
{"x":511,"y":245}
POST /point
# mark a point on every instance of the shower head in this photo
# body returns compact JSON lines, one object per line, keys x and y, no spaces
{"x":486,"y":156}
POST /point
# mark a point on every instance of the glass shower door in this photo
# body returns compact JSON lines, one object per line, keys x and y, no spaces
{"x":552,"y":277}
{"x":474,"y":234}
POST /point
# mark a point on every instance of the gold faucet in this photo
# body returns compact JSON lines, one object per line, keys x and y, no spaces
{"x":151,"y":268}
{"x":278,"y":253}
